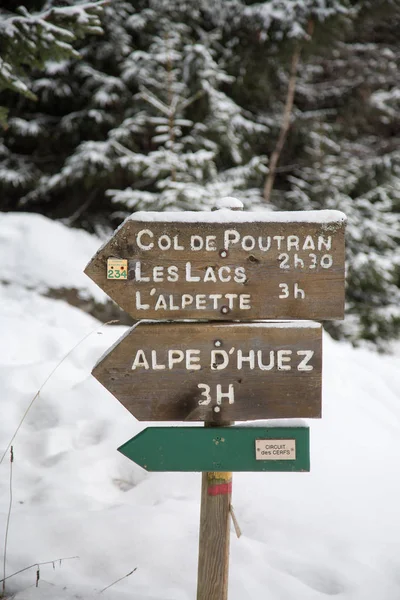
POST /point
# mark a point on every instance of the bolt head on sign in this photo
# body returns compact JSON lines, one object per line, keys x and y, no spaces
{"x":216,"y":371}
{"x":226,"y":265}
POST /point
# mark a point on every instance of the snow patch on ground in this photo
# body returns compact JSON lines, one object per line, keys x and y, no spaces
{"x":42,"y":254}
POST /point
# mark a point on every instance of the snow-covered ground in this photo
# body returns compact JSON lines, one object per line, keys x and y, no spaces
{"x":332,"y":532}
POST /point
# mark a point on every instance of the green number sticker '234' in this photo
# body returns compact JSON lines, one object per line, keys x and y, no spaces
{"x":117,"y":268}
{"x":115,"y":274}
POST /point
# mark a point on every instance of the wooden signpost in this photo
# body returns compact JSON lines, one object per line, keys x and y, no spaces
{"x":226,"y":265}
{"x":221,"y":266}
{"x":220,"y":449}
{"x":216,"y":371}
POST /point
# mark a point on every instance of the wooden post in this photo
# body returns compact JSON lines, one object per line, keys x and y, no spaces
{"x":216,"y":491}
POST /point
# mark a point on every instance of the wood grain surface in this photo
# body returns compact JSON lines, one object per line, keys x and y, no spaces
{"x":211,"y":271}
{"x":213,"y":565}
{"x":214,"y":534}
{"x":216,"y":371}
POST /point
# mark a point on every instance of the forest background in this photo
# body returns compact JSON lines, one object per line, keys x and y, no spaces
{"x":114,"y":107}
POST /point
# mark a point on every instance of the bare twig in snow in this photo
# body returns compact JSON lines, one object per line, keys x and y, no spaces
{"x":120,"y":579}
{"x":8,"y":520}
{"x":40,"y":564}
{"x":235,"y":522}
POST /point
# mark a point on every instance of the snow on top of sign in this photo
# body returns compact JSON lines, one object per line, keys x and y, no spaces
{"x":270,"y":423}
{"x":230,"y":202}
{"x":224,"y":215}
{"x":119,"y":340}
{"x":258,"y":324}
{"x":278,"y":324}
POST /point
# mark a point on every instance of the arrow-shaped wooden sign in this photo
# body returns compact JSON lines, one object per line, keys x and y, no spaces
{"x":226,"y":265}
{"x":220,"y":449}
{"x":216,"y":371}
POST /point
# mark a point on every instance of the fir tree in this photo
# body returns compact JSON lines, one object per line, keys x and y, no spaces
{"x":29,"y":39}
{"x":182,"y":102}
{"x":349,"y":160}
{"x":179,"y":141}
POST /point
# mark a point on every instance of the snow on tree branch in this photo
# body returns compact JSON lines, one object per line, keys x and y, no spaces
{"x":29,"y":39}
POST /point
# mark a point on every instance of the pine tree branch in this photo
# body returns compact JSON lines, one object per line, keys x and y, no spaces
{"x":173,"y":102}
{"x":273,"y":162}
{"x":287,"y":113}
{"x":29,"y":39}
{"x":192,"y":99}
{"x":151,"y":99}
{"x":72,"y":10}
{"x":121,"y":148}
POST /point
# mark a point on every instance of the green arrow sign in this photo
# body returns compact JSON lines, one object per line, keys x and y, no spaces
{"x":220,"y":449}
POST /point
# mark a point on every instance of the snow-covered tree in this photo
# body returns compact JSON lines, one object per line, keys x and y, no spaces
{"x":180,"y":102}
{"x":179,"y":141}
{"x":29,"y":39}
{"x":347,"y":119}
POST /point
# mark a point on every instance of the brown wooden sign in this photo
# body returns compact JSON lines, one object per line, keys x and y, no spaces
{"x":216,"y":371}
{"x":226,"y":265}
